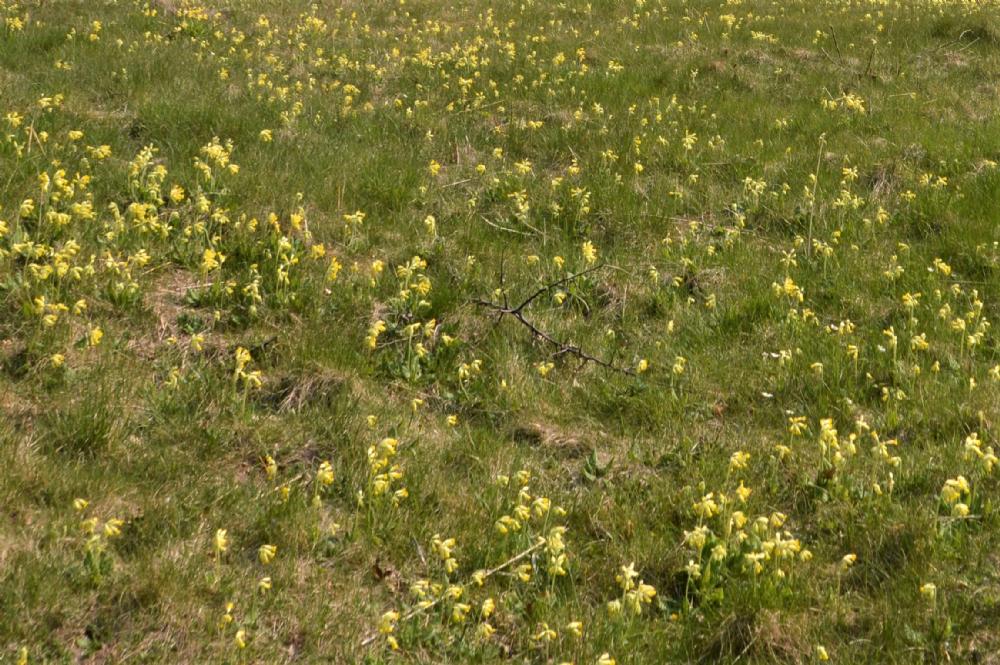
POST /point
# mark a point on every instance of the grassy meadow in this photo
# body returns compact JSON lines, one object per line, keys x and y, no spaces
{"x":407,"y":331}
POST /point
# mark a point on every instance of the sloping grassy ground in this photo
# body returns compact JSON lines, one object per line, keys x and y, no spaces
{"x":268,"y":392}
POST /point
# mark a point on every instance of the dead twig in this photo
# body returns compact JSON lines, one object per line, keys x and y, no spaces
{"x":840,"y":55}
{"x":504,"y":228}
{"x":871,"y":58}
{"x":562,"y":348}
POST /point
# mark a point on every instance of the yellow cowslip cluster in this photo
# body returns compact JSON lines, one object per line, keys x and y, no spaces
{"x":728,"y":544}
{"x":526,"y":507}
{"x":97,"y":559}
{"x":384,"y":476}
{"x":959,"y":498}
{"x":61,"y":271}
{"x":635,"y":594}
{"x":456,"y":602}
{"x":249,"y":379}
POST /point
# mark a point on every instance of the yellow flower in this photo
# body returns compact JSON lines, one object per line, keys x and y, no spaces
{"x":821,"y":653}
{"x":80,"y":505}
{"x":112,"y":528}
{"x":334,"y":270}
{"x":240,"y":639}
{"x":211,"y":260}
{"x":954,"y":489}
{"x":94,"y":336}
{"x":387,"y":623}
{"x":589,"y":252}
{"x":738,"y":460}
{"x":267,"y":553}
{"x":266,"y":135}
{"x":847,"y":561}
{"x":626,"y":578}
{"x":221,"y":541}
{"x":376,"y":329}
{"x":270,"y":467}
{"x":459,"y":612}
{"x":325,"y":473}
{"x":545,"y":634}
{"x":89,"y":526}
{"x":698,"y":536}
{"x":707,"y":506}
{"x":928,"y":591}
{"x":797,"y":425}
{"x":443,"y":547}
{"x":264,"y":584}
{"x":227,"y":618}
{"x":243,"y":358}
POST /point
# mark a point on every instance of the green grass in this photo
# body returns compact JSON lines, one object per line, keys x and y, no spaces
{"x":767,"y":185}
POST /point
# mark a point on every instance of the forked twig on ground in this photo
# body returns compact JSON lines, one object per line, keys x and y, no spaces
{"x":562,"y":348}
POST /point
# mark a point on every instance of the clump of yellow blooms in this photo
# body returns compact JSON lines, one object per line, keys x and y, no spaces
{"x":97,"y":558}
{"x":635,"y":593}
{"x":384,"y":474}
{"x":247,"y":379}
